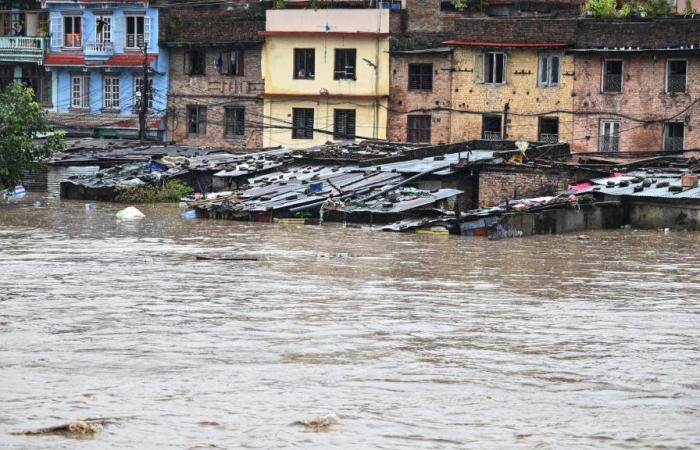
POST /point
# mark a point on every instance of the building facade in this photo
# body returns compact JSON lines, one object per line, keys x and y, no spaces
{"x":216,"y":85}
{"x":97,"y":56}
{"x":636,"y":85}
{"x":326,"y":76}
{"x":23,"y":45}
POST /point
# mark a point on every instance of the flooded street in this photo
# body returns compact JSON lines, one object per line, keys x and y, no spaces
{"x":414,"y":342}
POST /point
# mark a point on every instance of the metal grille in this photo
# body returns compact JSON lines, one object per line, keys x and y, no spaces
{"x":549,"y":138}
{"x":612,"y":83}
{"x":676,"y":83}
{"x":609,"y":143}
{"x":492,"y":135}
{"x":673,"y":144}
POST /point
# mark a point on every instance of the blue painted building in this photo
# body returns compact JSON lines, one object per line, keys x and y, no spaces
{"x":96,"y":57}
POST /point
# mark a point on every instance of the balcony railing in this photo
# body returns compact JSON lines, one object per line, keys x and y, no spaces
{"x":549,"y":138}
{"x":609,"y":143}
{"x":22,"y":49}
{"x":492,"y":135}
{"x":673,"y":144}
{"x":676,"y":84}
{"x":99,"y":50}
{"x":612,"y":83}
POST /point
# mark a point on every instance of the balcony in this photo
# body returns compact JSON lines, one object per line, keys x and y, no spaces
{"x":549,"y":138}
{"x":98,"y":50}
{"x":492,"y":135}
{"x":23,"y":49}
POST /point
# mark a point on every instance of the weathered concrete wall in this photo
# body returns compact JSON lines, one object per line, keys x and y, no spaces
{"x":526,"y":99}
{"x":643,"y":97}
{"x":216,"y":92}
{"x":561,"y":221}
{"x":500,"y":184}
{"x":404,"y":101}
{"x":649,"y":214}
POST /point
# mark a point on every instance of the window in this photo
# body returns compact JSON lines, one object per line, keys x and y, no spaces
{"x":549,"y":130}
{"x":103,"y":29}
{"x":490,"y":68}
{"x":110,"y":94}
{"x":419,"y":128}
{"x":609,"y":140}
{"x":234,"y":122}
{"x":420,"y":77}
{"x":612,"y":76}
{"x":344,"y":64}
{"x":73,"y":30}
{"x":138,"y":30}
{"x":549,"y":70}
{"x":676,"y":76}
{"x":304,"y":63}
{"x":138,"y":89}
{"x":195,"y":62}
{"x":673,"y":136}
{"x":302,"y":123}
{"x":491,"y":127}
{"x":196,"y":120}
{"x":79,"y":91}
{"x":344,"y":124}
{"x":231,"y":63}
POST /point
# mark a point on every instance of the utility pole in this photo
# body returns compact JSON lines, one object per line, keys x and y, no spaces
{"x":143,"y":111}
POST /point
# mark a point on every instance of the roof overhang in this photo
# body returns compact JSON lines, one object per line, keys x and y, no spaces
{"x":460,"y":43}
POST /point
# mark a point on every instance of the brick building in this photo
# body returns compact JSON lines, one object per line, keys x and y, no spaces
{"x":214,"y":98}
{"x":636,"y":85}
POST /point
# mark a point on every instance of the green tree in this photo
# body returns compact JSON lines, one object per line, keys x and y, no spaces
{"x":21,"y":120}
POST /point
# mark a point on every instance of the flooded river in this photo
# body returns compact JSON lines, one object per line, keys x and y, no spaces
{"x":413,"y":341}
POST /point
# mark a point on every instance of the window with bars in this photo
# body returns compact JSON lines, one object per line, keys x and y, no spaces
{"x":302,"y":123}
{"x":345,"y":64}
{"x":196,"y":120}
{"x":344,"y":124}
{"x":72,"y":31}
{"x":491,"y":127}
{"x":138,"y":90}
{"x":609,"y":137}
{"x":549,"y":130}
{"x":419,"y":128}
{"x":612,"y":76}
{"x":231,"y":63}
{"x":79,"y":94}
{"x":110,"y":94}
{"x":676,"y":76}
{"x":674,"y":133}
{"x":550,"y":65}
{"x":420,"y":77}
{"x":304,"y":63}
{"x":234,"y":122}
{"x":195,"y":62}
{"x":138,"y":30}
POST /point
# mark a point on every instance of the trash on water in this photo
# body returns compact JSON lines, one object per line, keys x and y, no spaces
{"x":130,"y":213}
{"x":583,"y":237}
{"x":319,"y":423}
{"x":189,"y":214}
{"x":17,"y":191}
{"x":77,"y":430}
{"x":89,"y":206}
{"x":332,"y":255}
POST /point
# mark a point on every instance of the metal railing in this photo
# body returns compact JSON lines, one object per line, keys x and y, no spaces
{"x":676,"y":84}
{"x":609,"y":144}
{"x":492,"y":135}
{"x":549,"y":138}
{"x":99,"y":47}
{"x":22,"y":49}
{"x":21,"y":43}
{"x":612,"y":83}
{"x":673,"y":144}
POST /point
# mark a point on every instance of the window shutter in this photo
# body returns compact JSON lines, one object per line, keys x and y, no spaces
{"x":241,"y":62}
{"x":86,"y":91}
{"x":147,"y":30}
{"x":555,"y":71}
{"x":543,"y":71}
{"x":351,"y":125}
{"x":505,"y":69}
{"x":118,"y":35}
{"x":309,"y":132}
{"x":240,"y":121}
{"x":478,"y":68}
{"x":56,"y":31}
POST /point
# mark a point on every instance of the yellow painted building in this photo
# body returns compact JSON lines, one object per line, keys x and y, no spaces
{"x":511,"y":91}
{"x":326,"y":76}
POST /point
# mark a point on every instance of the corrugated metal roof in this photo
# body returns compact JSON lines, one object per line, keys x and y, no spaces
{"x":652,"y":191}
{"x":433,"y":162}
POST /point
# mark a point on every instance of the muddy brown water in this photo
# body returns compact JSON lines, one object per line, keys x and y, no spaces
{"x":414,"y":342}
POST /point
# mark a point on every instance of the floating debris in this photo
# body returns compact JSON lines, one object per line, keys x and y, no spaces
{"x":225,"y":258}
{"x":320,"y":423}
{"x":76,"y":430}
{"x":130,"y":213}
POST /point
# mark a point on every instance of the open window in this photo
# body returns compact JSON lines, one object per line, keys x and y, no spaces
{"x":612,"y":76}
{"x":491,"y":127}
{"x":195,"y":62}
{"x":231,"y":63}
{"x":674,"y":134}
{"x":490,"y":68}
{"x":138,"y":30}
{"x":549,"y":130}
{"x":345,"y":64}
{"x":549,"y":70}
{"x":72,"y":31}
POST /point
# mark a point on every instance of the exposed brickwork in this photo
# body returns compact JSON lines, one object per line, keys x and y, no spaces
{"x":497,"y":185}
{"x":216,"y":92}
{"x":403,"y":101}
{"x":426,"y":16}
{"x":516,"y":30}
{"x":658,"y":33}
{"x":643,"y":97}
{"x":197,"y":26}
